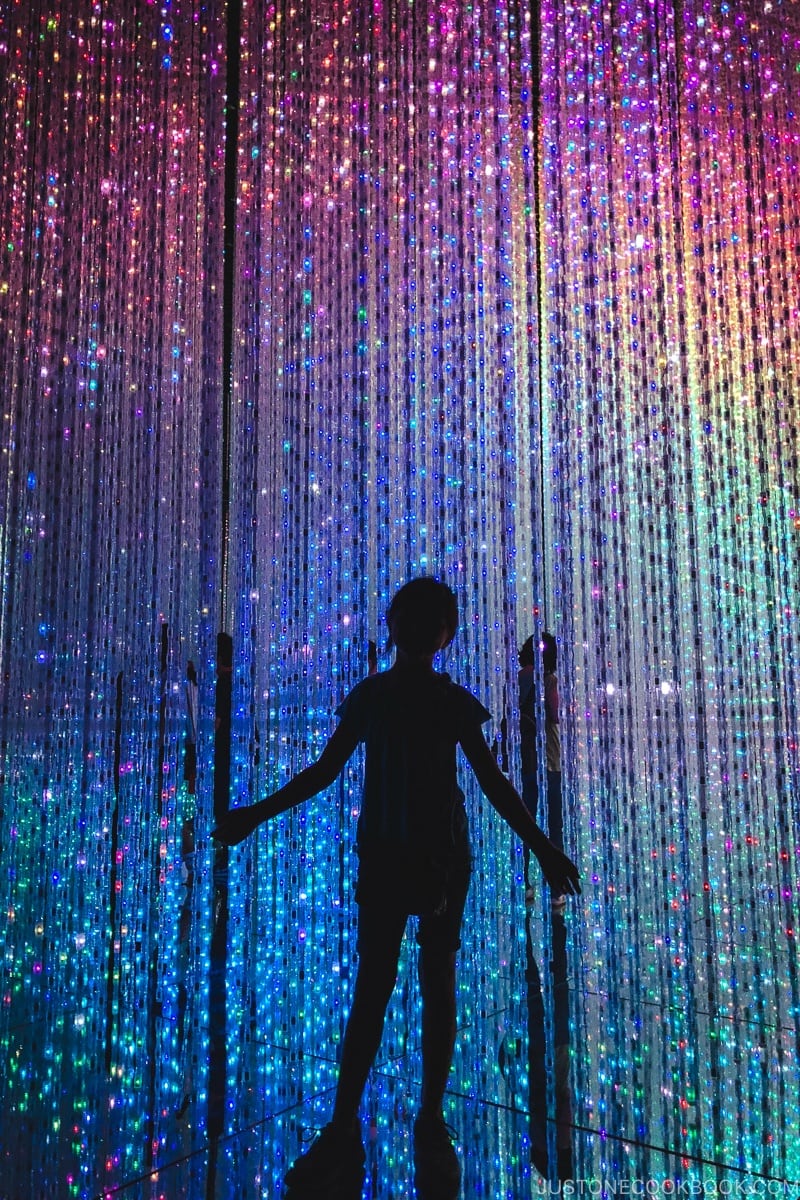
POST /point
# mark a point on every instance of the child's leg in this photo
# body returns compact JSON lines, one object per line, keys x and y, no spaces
{"x":379,"y":938}
{"x":437,"y":979}
{"x":437,"y":1171}
{"x":439,"y":938}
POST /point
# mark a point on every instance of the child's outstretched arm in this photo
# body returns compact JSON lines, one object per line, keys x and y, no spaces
{"x":559,"y":871}
{"x":240,"y":822}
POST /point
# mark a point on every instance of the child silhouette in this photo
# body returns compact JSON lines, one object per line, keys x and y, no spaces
{"x":414,"y":859}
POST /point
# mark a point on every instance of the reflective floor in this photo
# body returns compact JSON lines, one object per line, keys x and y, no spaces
{"x":172,"y":1012}
{"x":195,"y":1055}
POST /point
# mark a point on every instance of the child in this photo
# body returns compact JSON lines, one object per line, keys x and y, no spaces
{"x":414,"y":859}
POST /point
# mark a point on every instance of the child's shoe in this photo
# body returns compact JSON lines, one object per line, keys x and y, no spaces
{"x":436,"y":1167}
{"x":332,"y":1168}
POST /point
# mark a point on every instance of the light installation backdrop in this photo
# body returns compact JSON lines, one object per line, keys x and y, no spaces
{"x":515,"y":302}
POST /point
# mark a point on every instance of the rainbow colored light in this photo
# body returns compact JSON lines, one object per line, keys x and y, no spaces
{"x":515,"y":301}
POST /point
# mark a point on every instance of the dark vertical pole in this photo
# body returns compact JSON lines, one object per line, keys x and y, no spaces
{"x":153,"y":1007}
{"x":224,"y":691}
{"x":113,"y":877}
{"x":187,"y":860}
{"x":561,"y":1046}
{"x":537,"y":1056}
{"x":219,"y":930}
{"x":222,"y":726}
{"x":218,"y":948}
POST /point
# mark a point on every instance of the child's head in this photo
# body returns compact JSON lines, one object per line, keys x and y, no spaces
{"x":423,"y":617}
{"x":549,"y":651}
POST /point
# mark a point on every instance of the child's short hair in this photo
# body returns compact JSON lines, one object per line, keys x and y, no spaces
{"x":549,"y":651}
{"x":421,"y":611}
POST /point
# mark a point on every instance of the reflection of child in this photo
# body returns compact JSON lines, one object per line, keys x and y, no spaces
{"x":552,"y":739}
{"x":528,"y":749}
{"x":414,"y":859}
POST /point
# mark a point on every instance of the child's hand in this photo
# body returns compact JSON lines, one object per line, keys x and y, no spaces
{"x":559,"y":871}
{"x":237,"y":825}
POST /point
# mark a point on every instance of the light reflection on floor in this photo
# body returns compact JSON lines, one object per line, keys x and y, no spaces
{"x":189,"y":1076}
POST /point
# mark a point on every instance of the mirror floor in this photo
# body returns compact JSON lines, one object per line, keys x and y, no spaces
{"x":160,"y":1070}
